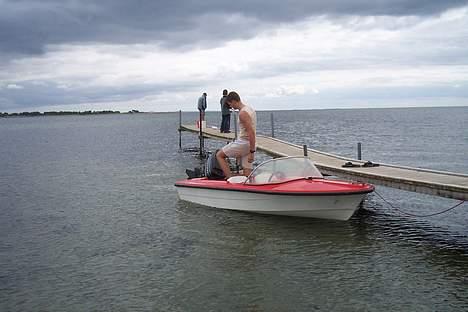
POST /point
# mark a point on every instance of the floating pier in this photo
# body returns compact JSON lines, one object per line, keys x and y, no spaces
{"x":425,"y":181}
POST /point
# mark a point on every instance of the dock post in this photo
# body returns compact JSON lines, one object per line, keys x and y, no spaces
{"x":359,"y":149}
{"x":200,"y":124}
{"x":235,"y":125}
{"x":180,"y":129}
{"x":304,"y":147}
{"x":272,"y":125}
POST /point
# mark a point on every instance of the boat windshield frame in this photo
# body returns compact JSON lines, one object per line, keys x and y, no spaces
{"x":280,"y":176}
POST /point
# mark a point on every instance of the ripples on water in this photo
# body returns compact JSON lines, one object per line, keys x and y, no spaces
{"x":89,"y":220}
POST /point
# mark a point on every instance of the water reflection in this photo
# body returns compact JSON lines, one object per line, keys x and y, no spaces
{"x":262,"y":258}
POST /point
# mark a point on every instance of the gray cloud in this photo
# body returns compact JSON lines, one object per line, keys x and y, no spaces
{"x":27,"y":26}
{"x":35,"y":94}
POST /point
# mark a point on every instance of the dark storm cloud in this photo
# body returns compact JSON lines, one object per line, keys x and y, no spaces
{"x":26,"y":26}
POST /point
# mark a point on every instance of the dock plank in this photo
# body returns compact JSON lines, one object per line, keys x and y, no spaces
{"x":432,"y":182}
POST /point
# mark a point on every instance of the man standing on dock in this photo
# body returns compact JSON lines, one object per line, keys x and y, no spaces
{"x":226,"y":114}
{"x":202,"y":106}
{"x":244,"y":146}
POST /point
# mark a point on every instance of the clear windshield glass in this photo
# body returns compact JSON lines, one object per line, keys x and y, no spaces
{"x":283,"y":169}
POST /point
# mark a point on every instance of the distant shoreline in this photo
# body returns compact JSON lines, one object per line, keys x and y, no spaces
{"x":106,"y":112}
{"x":65,"y":113}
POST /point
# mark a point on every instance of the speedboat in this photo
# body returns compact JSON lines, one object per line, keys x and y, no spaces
{"x":289,"y":186}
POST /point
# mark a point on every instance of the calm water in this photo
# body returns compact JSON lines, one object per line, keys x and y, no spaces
{"x":89,"y":220}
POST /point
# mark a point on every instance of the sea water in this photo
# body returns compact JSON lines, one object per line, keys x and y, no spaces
{"x":90,"y":220}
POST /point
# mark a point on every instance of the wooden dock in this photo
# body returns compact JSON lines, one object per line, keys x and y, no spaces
{"x":438,"y":183}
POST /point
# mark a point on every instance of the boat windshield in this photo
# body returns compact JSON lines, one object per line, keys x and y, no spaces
{"x":283,"y":169}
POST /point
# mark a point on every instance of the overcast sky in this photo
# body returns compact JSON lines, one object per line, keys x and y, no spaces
{"x":302,"y":54}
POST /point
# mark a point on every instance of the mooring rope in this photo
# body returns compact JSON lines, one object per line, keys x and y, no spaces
{"x":415,"y":215}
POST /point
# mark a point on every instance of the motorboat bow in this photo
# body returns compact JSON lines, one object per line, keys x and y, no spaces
{"x":290,"y":186}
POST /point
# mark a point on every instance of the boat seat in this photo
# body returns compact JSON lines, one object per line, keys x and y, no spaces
{"x":237,"y":179}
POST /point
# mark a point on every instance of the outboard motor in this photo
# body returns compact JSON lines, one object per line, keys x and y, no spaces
{"x":212,"y":169}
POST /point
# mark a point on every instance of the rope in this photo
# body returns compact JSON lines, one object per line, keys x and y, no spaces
{"x":415,"y":215}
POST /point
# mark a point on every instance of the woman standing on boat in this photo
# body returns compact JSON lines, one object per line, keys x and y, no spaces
{"x":244,"y":146}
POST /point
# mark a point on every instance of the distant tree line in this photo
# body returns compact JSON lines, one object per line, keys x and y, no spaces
{"x":59,"y":113}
